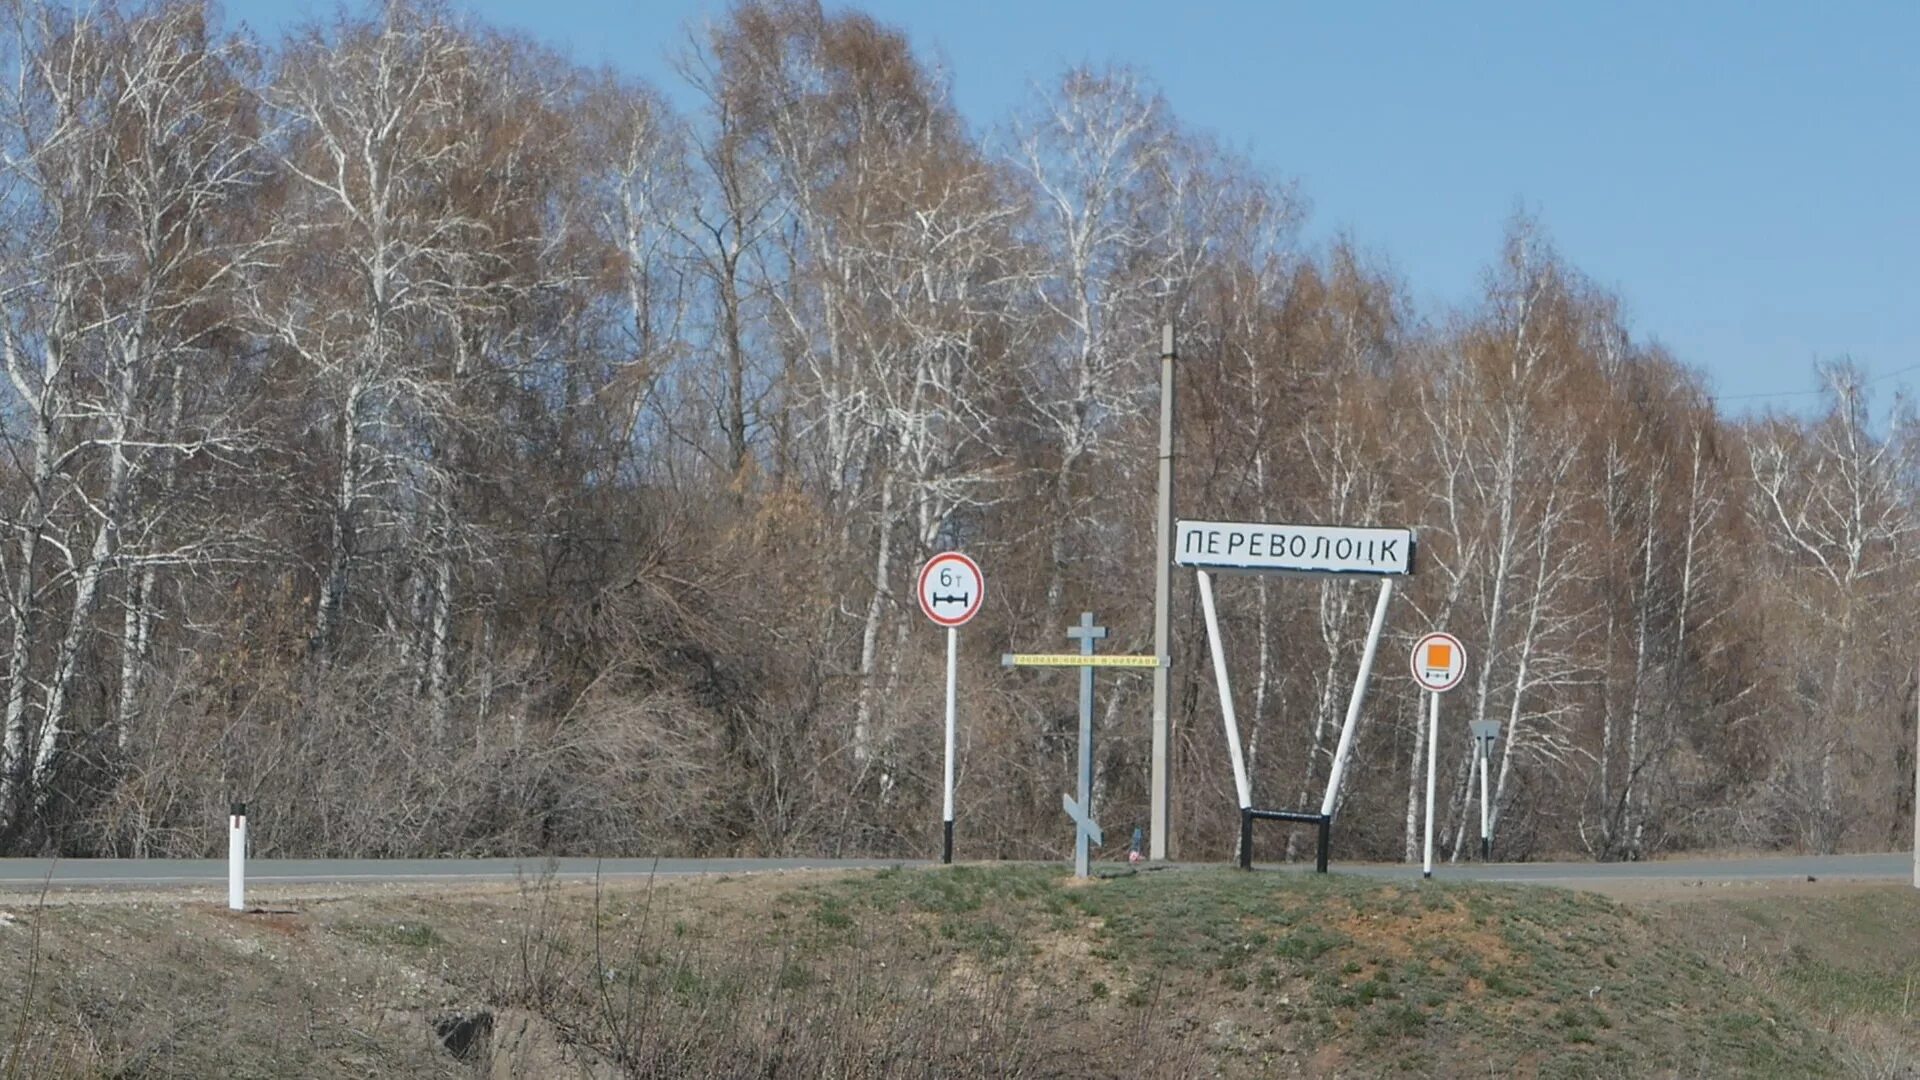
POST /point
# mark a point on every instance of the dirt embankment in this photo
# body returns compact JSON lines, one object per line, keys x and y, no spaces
{"x":1002,"y":971}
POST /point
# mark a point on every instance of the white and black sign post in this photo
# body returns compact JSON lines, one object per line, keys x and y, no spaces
{"x":237,"y":857}
{"x":951,"y":588}
{"x":1438,"y":663}
{"x":1485,"y":734}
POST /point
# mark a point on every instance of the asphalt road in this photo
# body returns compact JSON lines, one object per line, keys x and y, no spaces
{"x":18,"y":875}
{"x":1894,"y":867}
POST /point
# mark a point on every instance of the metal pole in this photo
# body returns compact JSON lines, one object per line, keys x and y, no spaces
{"x":1486,"y":837}
{"x":1086,"y":750}
{"x":1433,"y":736}
{"x":946,"y":814}
{"x":1359,"y":698}
{"x":1162,"y":599}
{"x":1240,"y":781}
{"x":237,"y":858}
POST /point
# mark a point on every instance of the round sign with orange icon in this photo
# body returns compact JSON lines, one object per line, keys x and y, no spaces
{"x":1439,"y":661}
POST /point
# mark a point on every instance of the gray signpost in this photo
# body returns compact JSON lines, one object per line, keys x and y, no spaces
{"x":1485,"y":733}
{"x":1085,"y":829}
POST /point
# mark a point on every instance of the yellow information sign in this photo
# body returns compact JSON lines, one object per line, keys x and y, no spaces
{"x":1077,"y":660}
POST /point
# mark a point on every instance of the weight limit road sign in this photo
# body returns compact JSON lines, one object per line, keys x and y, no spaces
{"x":1438,"y":662}
{"x":951,"y":589}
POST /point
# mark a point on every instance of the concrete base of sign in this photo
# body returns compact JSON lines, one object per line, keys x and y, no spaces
{"x":1249,"y":815}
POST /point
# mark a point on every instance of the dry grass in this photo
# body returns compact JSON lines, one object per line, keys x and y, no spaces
{"x":966,"y":971}
{"x":1849,"y":961}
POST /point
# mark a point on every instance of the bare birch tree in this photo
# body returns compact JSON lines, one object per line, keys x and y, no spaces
{"x":130,"y":148}
{"x":1089,"y":149}
{"x":1828,"y":501}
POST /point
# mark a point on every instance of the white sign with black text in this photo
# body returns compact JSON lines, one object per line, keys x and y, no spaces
{"x":1294,"y":549}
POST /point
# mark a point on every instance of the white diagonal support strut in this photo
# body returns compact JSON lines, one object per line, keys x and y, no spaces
{"x":1359,"y":699}
{"x":1241,"y":784}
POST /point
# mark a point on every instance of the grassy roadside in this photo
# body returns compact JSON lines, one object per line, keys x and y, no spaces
{"x":1002,"y":971}
{"x":1318,"y":975}
{"x":1849,"y":965}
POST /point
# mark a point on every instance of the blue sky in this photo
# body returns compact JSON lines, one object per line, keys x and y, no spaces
{"x":1746,"y":176}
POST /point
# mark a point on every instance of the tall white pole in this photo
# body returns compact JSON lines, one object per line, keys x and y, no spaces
{"x":1359,"y":698}
{"x":237,"y":858}
{"x":1162,"y":600}
{"x":1486,"y":836}
{"x":946,"y":813}
{"x":1217,"y":647}
{"x":1433,"y":736}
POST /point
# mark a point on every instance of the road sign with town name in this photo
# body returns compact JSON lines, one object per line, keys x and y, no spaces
{"x":1294,"y":549}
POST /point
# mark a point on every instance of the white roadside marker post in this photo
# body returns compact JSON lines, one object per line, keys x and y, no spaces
{"x":1438,"y":662}
{"x":237,"y":858}
{"x":951,"y":589}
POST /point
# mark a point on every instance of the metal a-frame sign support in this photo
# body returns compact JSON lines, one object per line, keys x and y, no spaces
{"x":1085,"y":829}
{"x":1210,"y":547}
{"x":1485,"y":734}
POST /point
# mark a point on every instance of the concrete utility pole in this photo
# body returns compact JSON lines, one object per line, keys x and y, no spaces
{"x":1162,"y":599}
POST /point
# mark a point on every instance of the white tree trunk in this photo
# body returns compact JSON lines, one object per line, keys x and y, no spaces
{"x":340,"y":540}
{"x":876,"y":614}
{"x":1416,"y":781}
{"x":87,"y":585}
{"x":439,"y":692}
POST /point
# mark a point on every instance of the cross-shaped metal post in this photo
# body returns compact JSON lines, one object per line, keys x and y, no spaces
{"x":1081,"y":811}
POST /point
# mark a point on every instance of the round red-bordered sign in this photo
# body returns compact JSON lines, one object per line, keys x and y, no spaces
{"x":951,"y":588}
{"x":1438,"y":662}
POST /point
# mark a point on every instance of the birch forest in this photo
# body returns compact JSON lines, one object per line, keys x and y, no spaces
{"x":447,"y":449}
